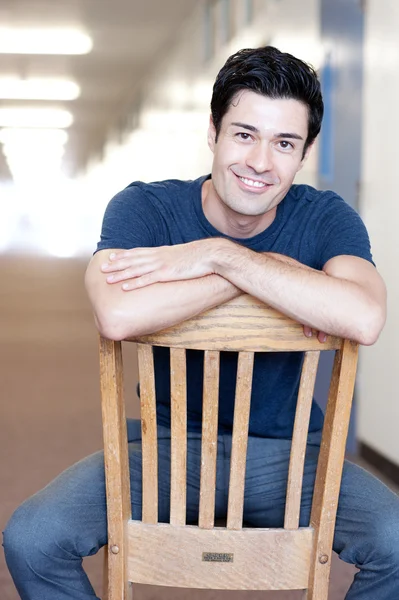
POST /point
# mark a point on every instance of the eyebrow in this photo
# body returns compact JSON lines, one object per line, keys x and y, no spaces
{"x":292,"y":136}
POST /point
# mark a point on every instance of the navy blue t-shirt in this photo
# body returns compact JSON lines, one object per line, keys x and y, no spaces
{"x":310,"y":226}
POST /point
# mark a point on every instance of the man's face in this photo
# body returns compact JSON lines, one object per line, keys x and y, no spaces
{"x":257,"y":155}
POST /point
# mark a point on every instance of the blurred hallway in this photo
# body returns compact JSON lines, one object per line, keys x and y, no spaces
{"x":50,"y":408}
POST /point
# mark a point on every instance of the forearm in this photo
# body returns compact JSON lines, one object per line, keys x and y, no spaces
{"x":330,"y":304}
{"x":121,"y":315}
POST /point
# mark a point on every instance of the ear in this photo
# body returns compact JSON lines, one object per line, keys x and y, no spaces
{"x":305,"y":158}
{"x":211,"y":134}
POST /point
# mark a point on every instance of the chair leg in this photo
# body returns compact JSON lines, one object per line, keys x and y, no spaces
{"x":105,"y":574}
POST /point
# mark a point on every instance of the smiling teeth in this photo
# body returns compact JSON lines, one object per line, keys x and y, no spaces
{"x":258,"y":184}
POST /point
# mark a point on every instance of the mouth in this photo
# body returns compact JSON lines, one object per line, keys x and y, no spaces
{"x":254,"y":185}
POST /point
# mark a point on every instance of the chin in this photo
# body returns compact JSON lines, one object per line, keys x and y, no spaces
{"x":249,"y":211}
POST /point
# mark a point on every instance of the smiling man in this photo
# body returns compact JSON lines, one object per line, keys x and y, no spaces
{"x":172,"y":249}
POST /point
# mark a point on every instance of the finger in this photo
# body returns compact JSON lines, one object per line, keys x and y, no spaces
{"x":322,"y":337}
{"x":139,"y":282}
{"x":136,"y":262}
{"x":130,"y":273}
{"x":119,"y":265}
{"x":109,"y":267}
{"x":115,"y":256}
{"x":307,"y":331}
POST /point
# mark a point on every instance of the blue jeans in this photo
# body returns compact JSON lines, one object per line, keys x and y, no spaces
{"x":49,"y":534}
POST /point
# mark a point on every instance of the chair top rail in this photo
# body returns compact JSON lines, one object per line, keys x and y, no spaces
{"x":242,"y":324}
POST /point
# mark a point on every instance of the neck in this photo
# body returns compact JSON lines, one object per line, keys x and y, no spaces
{"x":229,"y":222}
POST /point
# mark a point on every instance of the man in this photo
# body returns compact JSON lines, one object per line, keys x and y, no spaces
{"x":172,"y":249}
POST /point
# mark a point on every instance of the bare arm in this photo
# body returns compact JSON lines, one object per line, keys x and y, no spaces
{"x":120,"y":314}
{"x":349,"y":302}
{"x":347,"y":299}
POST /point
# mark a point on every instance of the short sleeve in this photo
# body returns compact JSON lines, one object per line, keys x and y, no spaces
{"x":130,"y":221}
{"x":340,"y":231}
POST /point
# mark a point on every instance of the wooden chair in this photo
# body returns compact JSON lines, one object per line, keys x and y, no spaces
{"x":230,"y":557}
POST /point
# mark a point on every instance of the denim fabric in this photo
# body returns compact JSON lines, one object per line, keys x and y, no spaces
{"x":49,"y":534}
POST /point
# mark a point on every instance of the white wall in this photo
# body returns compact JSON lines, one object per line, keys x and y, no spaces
{"x":378,"y":382}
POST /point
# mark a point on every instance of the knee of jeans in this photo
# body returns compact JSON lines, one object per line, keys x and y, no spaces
{"x":382,"y":536}
{"x":33,"y":531}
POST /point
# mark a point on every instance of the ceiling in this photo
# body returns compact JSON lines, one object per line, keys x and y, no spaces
{"x":127,"y":35}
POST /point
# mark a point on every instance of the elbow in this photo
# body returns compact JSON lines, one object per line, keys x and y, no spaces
{"x":111,"y":325}
{"x":112,"y":314}
{"x":371,"y":326}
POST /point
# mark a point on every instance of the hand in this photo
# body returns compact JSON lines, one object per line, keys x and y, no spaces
{"x":321,"y":336}
{"x":140,"y":267}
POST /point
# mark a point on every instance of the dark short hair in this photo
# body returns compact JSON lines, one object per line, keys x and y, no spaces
{"x":274,"y":74}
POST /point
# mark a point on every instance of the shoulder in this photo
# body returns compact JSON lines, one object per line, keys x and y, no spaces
{"x":307,"y":194}
{"x":161,"y":192}
{"x":322,"y":205}
{"x":146,"y":199}
{"x":325,"y":225}
{"x":149,"y":214}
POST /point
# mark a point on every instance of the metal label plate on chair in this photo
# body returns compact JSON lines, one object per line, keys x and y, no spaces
{"x":221,"y":557}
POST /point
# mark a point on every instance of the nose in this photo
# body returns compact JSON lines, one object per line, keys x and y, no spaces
{"x":259,"y":158}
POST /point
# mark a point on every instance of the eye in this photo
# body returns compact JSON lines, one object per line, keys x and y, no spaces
{"x":243,"y":135}
{"x":284,"y":145}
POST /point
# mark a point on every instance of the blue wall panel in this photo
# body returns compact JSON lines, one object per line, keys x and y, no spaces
{"x":342,"y":26}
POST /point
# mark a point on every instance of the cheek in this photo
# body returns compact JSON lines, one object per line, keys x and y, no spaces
{"x":287,"y":167}
{"x":230,"y":152}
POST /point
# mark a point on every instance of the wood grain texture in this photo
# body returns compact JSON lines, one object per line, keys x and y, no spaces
{"x":240,"y":440}
{"x":243,"y":324}
{"x":329,"y":468}
{"x":209,"y":439}
{"x":273,"y":559}
{"x":299,"y":439}
{"x":149,"y":436}
{"x":178,"y":436}
{"x":116,"y":464}
{"x":231,"y":557}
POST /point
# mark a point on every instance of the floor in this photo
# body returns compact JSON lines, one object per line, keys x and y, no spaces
{"x":49,"y":403}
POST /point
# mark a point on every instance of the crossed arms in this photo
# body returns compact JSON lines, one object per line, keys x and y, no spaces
{"x":143,"y":290}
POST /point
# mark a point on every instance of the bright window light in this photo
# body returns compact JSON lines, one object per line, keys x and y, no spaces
{"x":47,"y":160}
{"x":45,"y":167}
{"x":174,"y":120}
{"x":44,"y":41}
{"x":33,"y":154}
{"x":35,"y":117}
{"x":30,"y":137}
{"x":14,"y":88}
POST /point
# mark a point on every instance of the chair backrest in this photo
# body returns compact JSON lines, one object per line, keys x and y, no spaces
{"x":301,"y":556}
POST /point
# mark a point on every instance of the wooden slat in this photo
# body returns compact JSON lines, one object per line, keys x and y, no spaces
{"x":209,"y":439}
{"x":243,"y":324}
{"x":273,"y":559}
{"x":116,"y":465}
{"x":148,"y":433}
{"x":178,"y":436}
{"x":299,"y":440}
{"x":174,"y":554}
{"x":329,"y":468}
{"x":240,"y":440}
